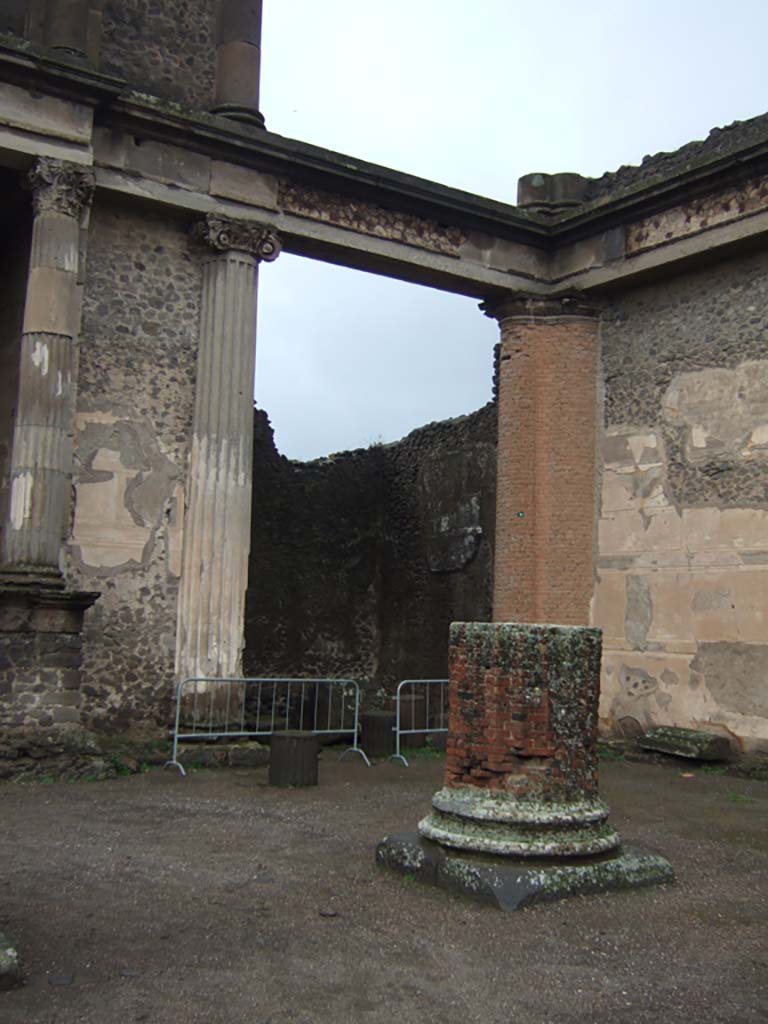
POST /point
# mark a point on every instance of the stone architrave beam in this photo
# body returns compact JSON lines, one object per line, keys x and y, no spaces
{"x":547,"y":437}
{"x":41,"y":466}
{"x":218,"y":519}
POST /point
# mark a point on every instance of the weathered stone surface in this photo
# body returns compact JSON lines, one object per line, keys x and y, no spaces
{"x":11,"y":974}
{"x":703,"y":746}
{"x":510,"y":883}
{"x":135,"y":401}
{"x":166,"y":49}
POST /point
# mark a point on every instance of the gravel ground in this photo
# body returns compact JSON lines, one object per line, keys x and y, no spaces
{"x":218,"y":899}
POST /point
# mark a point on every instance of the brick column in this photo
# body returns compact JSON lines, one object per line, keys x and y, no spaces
{"x":41,"y":467}
{"x":217,"y":527}
{"x":521,"y":764}
{"x":546,"y":485}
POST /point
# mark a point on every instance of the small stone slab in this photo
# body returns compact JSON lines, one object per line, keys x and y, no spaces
{"x":702,"y":746}
{"x":11,"y":975}
{"x":511,"y":883}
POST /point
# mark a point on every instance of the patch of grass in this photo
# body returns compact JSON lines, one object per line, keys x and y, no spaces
{"x":608,"y":753}
{"x":739,"y":798}
{"x":409,"y":879}
{"x":714,"y":769}
{"x":427,"y":751}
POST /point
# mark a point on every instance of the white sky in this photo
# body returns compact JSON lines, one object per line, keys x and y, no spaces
{"x":472,"y":95}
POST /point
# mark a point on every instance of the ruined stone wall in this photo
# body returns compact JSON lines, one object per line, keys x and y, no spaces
{"x":682,"y":588}
{"x":360,"y":561}
{"x":134,"y":415}
{"x":166,"y":49}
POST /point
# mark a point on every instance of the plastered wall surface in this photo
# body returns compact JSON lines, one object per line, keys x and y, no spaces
{"x":682,"y":586}
{"x":134,"y":416}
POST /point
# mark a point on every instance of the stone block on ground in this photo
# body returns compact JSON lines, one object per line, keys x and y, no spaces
{"x":701,"y":746}
{"x":377,"y":736}
{"x":293,"y":758}
{"x":513,"y":883}
{"x":11,"y":975}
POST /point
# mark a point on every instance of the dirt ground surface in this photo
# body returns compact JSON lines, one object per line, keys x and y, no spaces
{"x":216,"y":898}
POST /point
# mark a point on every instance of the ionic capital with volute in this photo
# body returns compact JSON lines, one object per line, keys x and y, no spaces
{"x":224,"y":234}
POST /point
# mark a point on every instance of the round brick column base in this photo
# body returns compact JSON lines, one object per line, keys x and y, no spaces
{"x":483,"y":821}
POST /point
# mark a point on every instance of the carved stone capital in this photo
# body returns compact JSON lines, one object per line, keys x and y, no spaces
{"x":224,"y":234}
{"x":60,"y":187}
{"x":535,"y":308}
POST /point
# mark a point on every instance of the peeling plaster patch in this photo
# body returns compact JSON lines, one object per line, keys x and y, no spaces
{"x":639,"y":612}
{"x":723,"y":412}
{"x":59,"y":384}
{"x":39,"y":357}
{"x":669,"y":678}
{"x":123,"y":492}
{"x":735,"y":674}
{"x":450,"y":484}
{"x":21,"y":500}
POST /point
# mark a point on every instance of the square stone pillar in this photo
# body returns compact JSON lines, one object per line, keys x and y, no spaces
{"x":546,"y":504}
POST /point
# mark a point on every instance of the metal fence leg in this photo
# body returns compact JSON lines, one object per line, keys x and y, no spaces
{"x":174,"y":758}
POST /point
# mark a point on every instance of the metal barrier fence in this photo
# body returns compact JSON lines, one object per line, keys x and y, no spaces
{"x":218,"y":708}
{"x":431,"y":717}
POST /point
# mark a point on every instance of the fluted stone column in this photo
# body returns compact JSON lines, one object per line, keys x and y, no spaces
{"x":238,"y":61}
{"x":41,"y":466}
{"x":218,"y":519}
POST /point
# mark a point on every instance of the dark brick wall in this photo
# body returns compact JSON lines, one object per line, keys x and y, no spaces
{"x":359,"y":562}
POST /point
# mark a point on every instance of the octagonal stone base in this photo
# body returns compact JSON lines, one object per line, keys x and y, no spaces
{"x":511,"y":883}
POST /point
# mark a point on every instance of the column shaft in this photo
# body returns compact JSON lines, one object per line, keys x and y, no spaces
{"x":546,"y":489}
{"x":218,"y":521}
{"x":238,"y":61}
{"x":41,"y":465}
{"x":67,"y":26}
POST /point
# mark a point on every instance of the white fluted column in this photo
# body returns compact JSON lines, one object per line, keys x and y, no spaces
{"x":41,"y":468}
{"x":209,"y":639}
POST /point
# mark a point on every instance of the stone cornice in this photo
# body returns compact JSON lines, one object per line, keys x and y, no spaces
{"x":223,"y":234}
{"x":60,"y":187}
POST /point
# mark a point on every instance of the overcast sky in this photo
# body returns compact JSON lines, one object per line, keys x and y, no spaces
{"x":472,"y":95}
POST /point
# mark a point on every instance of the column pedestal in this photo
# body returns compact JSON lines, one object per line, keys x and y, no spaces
{"x":519,"y":819}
